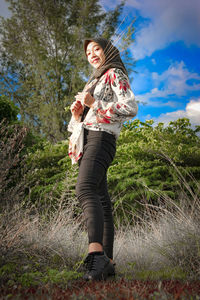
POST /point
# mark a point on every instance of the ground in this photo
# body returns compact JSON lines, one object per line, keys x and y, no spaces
{"x":119,"y":289}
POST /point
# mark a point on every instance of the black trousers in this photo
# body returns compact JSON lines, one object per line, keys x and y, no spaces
{"x":91,"y":188}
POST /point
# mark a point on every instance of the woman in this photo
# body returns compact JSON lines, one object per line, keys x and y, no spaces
{"x":97,"y":117}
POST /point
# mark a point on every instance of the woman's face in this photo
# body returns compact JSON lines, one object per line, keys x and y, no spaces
{"x":95,"y":55}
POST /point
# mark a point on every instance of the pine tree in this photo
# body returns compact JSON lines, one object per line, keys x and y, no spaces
{"x":42,"y":60}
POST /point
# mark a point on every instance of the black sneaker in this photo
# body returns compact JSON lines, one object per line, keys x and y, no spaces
{"x":98,"y":267}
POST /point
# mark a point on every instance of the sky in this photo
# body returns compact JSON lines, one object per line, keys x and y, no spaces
{"x":167,"y":50}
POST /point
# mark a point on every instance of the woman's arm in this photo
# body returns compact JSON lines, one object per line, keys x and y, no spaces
{"x":124,"y":108}
{"x":76,"y":110}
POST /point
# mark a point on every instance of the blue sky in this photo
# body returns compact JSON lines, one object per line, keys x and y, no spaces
{"x":167,"y":50}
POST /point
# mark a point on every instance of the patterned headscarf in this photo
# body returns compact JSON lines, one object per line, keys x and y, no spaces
{"x":112,"y":60}
{"x":112,"y":56}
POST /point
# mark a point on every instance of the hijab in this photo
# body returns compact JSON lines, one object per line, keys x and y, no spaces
{"x":112,"y":60}
{"x":112,"y":57}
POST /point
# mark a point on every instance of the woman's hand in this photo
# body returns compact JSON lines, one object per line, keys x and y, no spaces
{"x":76,"y":109}
{"x":85,"y":98}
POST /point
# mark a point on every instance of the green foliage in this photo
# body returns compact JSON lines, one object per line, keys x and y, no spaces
{"x":12,"y":139}
{"x":16,"y":141}
{"x":32,"y":169}
{"x":7,"y":268}
{"x":151,"y":162}
{"x":8,"y":110}
{"x":42,"y":61}
{"x":56,"y":276}
{"x":148,"y":165}
{"x":161,"y":274}
{"x":47,"y":170}
{"x":31,"y":277}
{"x":28,"y":279}
{"x":165,"y":273}
{"x":126,"y":41}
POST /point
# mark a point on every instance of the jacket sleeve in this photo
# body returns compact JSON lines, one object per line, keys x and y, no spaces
{"x":72,"y":124}
{"x":122,"y":106}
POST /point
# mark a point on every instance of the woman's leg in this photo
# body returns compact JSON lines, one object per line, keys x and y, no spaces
{"x":108,"y":233}
{"x":91,"y":188}
{"x":91,"y":173}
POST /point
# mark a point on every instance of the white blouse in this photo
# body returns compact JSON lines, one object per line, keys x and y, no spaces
{"x":114,"y":104}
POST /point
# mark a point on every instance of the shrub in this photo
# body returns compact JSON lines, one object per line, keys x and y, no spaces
{"x":8,"y":110}
{"x":144,"y":165}
{"x":47,"y":171}
{"x":12,"y":139}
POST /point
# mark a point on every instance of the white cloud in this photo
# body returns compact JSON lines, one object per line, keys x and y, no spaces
{"x":166,"y":21}
{"x":170,"y":21}
{"x":177,"y":80}
{"x":192,"y":112}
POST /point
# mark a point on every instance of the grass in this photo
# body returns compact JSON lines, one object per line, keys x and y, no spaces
{"x":167,"y":245}
{"x":156,"y":258}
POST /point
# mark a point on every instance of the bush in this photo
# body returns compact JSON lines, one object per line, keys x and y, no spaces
{"x":16,"y":141}
{"x":47,"y":172}
{"x":8,"y":110}
{"x":11,"y":148}
{"x":151,"y":161}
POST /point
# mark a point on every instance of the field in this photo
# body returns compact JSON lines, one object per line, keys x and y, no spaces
{"x":157,"y":258}
{"x":154,"y":185}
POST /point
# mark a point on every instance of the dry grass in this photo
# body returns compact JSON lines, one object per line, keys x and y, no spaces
{"x":167,"y":244}
{"x":26,"y":232}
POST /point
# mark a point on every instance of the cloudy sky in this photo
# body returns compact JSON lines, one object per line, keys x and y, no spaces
{"x":167,"y":49}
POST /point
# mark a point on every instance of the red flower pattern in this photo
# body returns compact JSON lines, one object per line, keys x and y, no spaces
{"x":110,"y":77}
{"x":111,"y":110}
{"x":102,"y":120}
{"x":106,"y":115}
{"x":124,"y":85}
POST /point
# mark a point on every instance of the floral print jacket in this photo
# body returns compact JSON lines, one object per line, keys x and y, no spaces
{"x":114,"y":104}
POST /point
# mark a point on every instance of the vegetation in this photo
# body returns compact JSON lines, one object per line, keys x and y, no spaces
{"x":42,"y":233}
{"x":151,"y":162}
{"x":154,"y":179}
{"x":15,"y":142}
{"x":8,"y":110}
{"x":42,"y":59}
{"x":43,"y":255}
